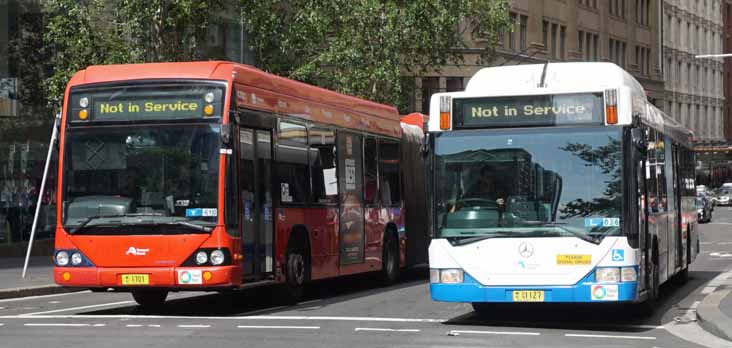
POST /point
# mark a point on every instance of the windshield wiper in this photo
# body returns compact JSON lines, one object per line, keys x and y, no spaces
{"x":92,"y":218}
{"x":582,"y":236}
{"x":470,"y":240}
{"x":192,"y":225}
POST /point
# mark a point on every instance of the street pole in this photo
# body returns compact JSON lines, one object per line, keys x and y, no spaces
{"x":51,"y":145}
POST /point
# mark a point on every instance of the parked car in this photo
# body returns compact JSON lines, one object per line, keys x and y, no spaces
{"x":703,"y":209}
{"x":723,"y":196}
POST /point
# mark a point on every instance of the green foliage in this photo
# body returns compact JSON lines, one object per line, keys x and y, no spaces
{"x":364,"y":47}
{"x":80,"y":33}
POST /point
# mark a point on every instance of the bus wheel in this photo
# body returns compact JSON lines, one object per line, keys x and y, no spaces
{"x":150,"y":299}
{"x":485,"y":308}
{"x":649,"y":305}
{"x":297,"y":274}
{"x":390,"y":259}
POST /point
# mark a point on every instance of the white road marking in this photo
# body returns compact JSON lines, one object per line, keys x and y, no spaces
{"x":279,"y":327}
{"x":2,"y":307}
{"x":133,"y":325}
{"x":194,"y":326}
{"x":1,"y":324}
{"x":58,"y":324}
{"x":77,"y":308}
{"x":154,"y":325}
{"x":453,"y":332}
{"x":384,"y":329}
{"x":255,"y":317}
{"x":611,"y":336}
{"x":718,"y":254}
{"x":54,"y":302}
{"x":708,"y":290}
{"x":42,"y":296}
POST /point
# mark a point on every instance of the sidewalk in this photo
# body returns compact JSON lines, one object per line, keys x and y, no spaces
{"x":715,"y":311}
{"x":38,"y":279}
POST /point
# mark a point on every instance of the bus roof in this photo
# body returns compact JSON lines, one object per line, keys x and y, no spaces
{"x":272,"y":89}
{"x":575,"y":76}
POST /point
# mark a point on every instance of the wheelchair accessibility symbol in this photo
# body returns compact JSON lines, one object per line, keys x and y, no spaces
{"x":618,"y":255}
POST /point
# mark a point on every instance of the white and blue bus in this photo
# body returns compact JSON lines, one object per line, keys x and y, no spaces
{"x":557,"y":183}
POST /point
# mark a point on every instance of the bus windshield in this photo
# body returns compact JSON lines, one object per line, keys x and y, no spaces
{"x":164,"y":177}
{"x":558,"y":182}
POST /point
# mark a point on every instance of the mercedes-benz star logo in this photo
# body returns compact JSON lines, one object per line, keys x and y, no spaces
{"x":525,"y":249}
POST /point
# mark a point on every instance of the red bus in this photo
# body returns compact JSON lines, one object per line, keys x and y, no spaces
{"x":216,"y":175}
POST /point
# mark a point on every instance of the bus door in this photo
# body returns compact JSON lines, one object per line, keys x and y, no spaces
{"x":350,"y":179}
{"x":678,"y":235}
{"x":255,"y":165}
{"x":642,"y":175}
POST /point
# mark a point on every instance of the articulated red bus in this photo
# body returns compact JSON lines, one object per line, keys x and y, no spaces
{"x":216,"y":175}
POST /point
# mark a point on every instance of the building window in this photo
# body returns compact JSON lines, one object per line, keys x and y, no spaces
{"x":430,"y":86}
{"x":522,"y":32}
{"x":545,"y":34}
{"x":512,"y":33}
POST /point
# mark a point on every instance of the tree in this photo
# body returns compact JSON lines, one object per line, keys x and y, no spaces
{"x":88,"y":32}
{"x":365,"y":47}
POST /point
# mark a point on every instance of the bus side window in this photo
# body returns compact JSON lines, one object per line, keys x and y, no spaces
{"x":323,"y":165}
{"x":370,"y":159}
{"x":651,"y":173}
{"x":661,"y":171}
{"x":389,"y":172}
{"x":292,"y":164}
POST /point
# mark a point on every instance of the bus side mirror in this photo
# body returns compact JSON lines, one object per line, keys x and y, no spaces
{"x":425,"y":147}
{"x":226,"y":133}
{"x":638,"y":138}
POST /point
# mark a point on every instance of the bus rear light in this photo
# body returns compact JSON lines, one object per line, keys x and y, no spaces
{"x":611,"y":115}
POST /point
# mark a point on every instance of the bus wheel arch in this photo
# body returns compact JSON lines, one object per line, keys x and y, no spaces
{"x":297,"y":264}
{"x":390,"y":255}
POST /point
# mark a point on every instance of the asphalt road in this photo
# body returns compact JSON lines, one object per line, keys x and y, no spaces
{"x":354,"y":312}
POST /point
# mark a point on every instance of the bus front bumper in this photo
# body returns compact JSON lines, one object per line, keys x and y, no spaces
{"x":472,"y":291}
{"x":184,"y":278}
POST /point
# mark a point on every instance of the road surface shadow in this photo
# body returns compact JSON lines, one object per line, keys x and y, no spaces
{"x":264,"y":300}
{"x":604,"y":317}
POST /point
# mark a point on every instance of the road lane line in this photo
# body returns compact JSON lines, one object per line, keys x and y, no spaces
{"x":78,"y":308}
{"x":384,"y":329}
{"x":278,"y":327}
{"x":133,"y":325}
{"x":611,"y":336}
{"x":58,"y":324}
{"x":154,"y":325}
{"x":42,"y":296}
{"x":708,"y":290}
{"x":259,"y":317}
{"x":195,"y":326}
{"x":519,"y":333}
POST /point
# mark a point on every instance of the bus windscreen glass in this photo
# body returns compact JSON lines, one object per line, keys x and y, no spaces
{"x":527,"y":183}
{"x":118,"y":179}
{"x":533,"y":110}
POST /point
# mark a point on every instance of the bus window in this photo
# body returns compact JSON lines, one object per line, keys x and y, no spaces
{"x":661,"y":172}
{"x":323,"y":165}
{"x":292,"y":164}
{"x":651,"y":173}
{"x":371,"y":187}
{"x":389,"y":172}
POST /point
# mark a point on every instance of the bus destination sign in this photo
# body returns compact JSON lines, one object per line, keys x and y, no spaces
{"x":534,"y":110}
{"x":148,"y":108}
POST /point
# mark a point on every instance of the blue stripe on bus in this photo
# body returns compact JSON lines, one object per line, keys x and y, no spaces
{"x":472,"y":291}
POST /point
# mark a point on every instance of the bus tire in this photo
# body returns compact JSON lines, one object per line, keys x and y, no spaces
{"x":150,"y":298}
{"x":649,"y":305}
{"x":390,"y":258}
{"x":484,"y":308}
{"x":297,"y":269}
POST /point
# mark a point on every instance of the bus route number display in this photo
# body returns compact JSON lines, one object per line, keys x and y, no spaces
{"x":535,"y":110}
{"x":152,"y":108}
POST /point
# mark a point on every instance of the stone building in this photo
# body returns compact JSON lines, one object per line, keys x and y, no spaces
{"x":626,"y":32}
{"x":694,"y":91}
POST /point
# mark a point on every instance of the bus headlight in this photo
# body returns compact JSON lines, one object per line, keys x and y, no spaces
{"x":217,"y":257}
{"x":607,"y":275}
{"x":451,"y":276}
{"x":76,"y":259}
{"x":201,"y":257}
{"x":62,"y":258}
{"x":628,"y":274}
{"x":434,"y":275}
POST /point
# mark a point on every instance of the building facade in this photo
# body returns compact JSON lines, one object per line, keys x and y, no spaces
{"x":26,"y":122}
{"x":694,"y":90}
{"x":727,"y":84}
{"x":626,"y":32}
